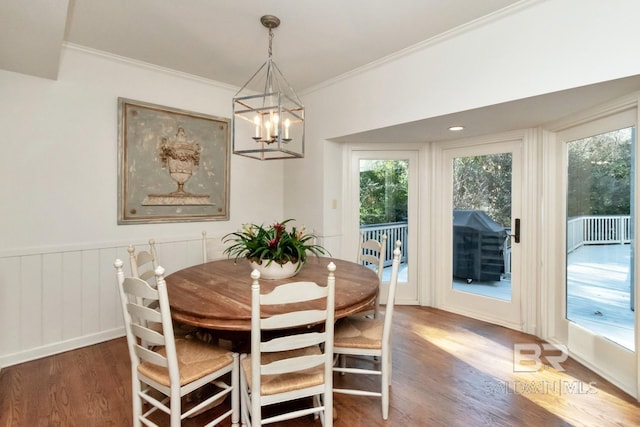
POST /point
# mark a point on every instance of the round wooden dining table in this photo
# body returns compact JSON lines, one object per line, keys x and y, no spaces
{"x":217,"y":295}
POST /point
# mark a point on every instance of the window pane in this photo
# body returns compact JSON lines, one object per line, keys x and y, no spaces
{"x":599,"y":235}
{"x":481,"y":224}
{"x":383,"y":207}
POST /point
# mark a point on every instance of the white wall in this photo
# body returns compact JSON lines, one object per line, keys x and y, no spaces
{"x":541,"y":47}
{"x":60,"y":151}
{"x":58,"y":223}
{"x":544,"y":47}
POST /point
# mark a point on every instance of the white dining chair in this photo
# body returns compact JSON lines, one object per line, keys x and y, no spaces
{"x":144,"y":263}
{"x":369,"y":340}
{"x":212,"y":249}
{"x":205,"y":250}
{"x":371,"y":253}
{"x":169,"y":366}
{"x":293,"y":365}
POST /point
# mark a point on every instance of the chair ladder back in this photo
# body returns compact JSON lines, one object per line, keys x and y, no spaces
{"x":149,"y":336}
{"x":298,"y":341}
{"x":294,"y":292}
{"x":139,"y":288}
{"x":293,"y":319}
{"x":167,"y":327}
{"x":150,"y":356}
{"x":143,"y":312}
{"x":144,"y":263}
{"x":373,"y":252}
{"x":292,"y":364}
{"x":292,"y":352}
{"x":138,"y":317}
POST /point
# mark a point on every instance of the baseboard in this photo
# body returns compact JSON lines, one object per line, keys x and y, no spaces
{"x":59,"y":347}
{"x":596,"y":369}
{"x":484,"y":317}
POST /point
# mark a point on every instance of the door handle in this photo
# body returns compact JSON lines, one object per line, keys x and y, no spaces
{"x":516,"y":234}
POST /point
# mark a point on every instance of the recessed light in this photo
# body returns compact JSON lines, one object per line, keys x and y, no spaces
{"x":456,"y":128}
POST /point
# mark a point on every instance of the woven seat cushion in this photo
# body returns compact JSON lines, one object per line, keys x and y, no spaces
{"x":358,"y":332}
{"x":195,"y":360}
{"x":273,"y":384}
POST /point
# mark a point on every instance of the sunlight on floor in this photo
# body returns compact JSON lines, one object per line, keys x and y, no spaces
{"x":554,"y":390}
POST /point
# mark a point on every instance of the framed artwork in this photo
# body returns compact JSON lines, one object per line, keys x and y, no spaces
{"x":173,"y":165}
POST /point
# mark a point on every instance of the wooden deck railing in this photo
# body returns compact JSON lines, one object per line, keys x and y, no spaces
{"x":597,"y":230}
{"x":582,"y":230}
{"x":394,"y":231}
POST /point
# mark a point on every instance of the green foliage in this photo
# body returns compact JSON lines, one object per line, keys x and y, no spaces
{"x":599,"y":174}
{"x":599,"y":182}
{"x":484,"y":183}
{"x":383,"y":192}
{"x":273,"y":244}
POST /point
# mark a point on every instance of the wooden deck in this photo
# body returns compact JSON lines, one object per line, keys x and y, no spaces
{"x":598,"y":291}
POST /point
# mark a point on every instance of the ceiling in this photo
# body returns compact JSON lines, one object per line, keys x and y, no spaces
{"x":223,"y":40}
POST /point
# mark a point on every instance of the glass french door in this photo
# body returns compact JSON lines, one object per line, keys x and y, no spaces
{"x":599,"y":263}
{"x":597,"y":318}
{"x":383,"y":199}
{"x":480,"y":233}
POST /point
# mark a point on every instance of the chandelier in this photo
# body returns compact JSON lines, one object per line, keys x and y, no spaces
{"x":268,"y":117}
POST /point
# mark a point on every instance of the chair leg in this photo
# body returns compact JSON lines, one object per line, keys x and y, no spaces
{"x":244,"y":399}
{"x":389,"y":365}
{"x":327,"y":414}
{"x":317,"y":403}
{"x":137,"y":403}
{"x":235,"y":391}
{"x":385,"y":379}
{"x":175,"y":406}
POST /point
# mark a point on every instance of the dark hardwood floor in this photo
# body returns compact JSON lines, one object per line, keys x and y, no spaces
{"x":449,"y":370}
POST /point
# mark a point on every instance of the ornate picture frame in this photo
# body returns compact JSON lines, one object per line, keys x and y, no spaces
{"x":173,"y":165}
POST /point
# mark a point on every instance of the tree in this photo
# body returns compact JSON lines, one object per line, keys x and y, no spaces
{"x":599,"y":182}
{"x":599,"y":174}
{"x":484,"y":183}
{"x":383,"y":191}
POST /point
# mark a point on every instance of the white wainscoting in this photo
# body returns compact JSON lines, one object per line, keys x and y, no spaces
{"x":55,"y":300}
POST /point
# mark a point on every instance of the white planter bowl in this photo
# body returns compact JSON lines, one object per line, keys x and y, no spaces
{"x":274,"y":271}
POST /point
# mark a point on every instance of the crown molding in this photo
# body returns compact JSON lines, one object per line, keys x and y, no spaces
{"x":145,"y":65}
{"x":440,"y":38}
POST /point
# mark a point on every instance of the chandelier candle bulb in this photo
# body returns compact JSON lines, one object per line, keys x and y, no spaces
{"x":267,"y":126}
{"x":287,"y":123}
{"x":256,"y":120}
